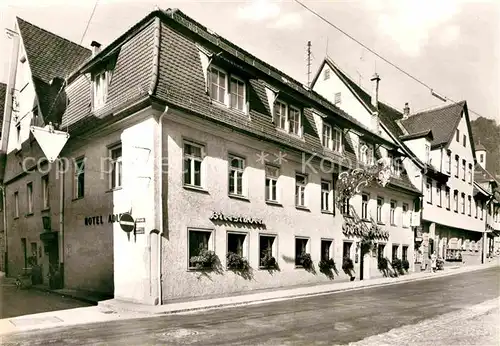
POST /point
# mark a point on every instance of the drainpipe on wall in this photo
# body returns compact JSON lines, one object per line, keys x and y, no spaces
{"x":160,"y":204}
{"x":61,"y":222}
{"x":6,"y":252}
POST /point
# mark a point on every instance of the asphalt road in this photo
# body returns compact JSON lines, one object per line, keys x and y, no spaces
{"x":323,"y":320}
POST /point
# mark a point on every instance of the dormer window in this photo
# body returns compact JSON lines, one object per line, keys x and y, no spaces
{"x":227,"y":89}
{"x":331,"y":137}
{"x":427,"y":153}
{"x":100,"y":88}
{"x":366,"y":153}
{"x":288,"y":118}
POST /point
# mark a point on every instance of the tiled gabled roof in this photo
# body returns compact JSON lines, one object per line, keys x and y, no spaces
{"x":443,"y":121}
{"x":388,"y":115}
{"x":49,"y":56}
{"x":481,"y":175}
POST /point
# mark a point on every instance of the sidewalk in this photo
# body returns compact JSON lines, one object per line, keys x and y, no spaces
{"x":118,"y":310}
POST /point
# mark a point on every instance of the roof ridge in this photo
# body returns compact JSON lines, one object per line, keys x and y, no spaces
{"x":385,"y":103}
{"x":432,"y":109}
{"x":51,"y":33}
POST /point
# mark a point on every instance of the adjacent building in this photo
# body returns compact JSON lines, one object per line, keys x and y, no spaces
{"x":207,"y":147}
{"x":3,"y":247}
{"x":441,"y":163}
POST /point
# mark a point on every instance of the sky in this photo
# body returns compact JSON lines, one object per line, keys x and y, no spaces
{"x":452,"y":46}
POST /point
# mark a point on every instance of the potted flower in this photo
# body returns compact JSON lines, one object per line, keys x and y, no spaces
{"x":397,"y":265}
{"x":206,"y":260}
{"x":406,"y":265}
{"x":348,"y":267}
{"x":268,"y":261}
{"x":327,"y":267}
{"x":305,"y":260}
{"x":237,"y":262}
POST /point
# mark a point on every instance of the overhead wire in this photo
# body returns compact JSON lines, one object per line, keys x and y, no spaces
{"x":419,"y":81}
{"x":66,"y":79}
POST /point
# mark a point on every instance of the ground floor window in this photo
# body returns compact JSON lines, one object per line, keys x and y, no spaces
{"x":326,"y":249}
{"x":380,"y":250}
{"x":346,"y":250}
{"x":301,"y":247}
{"x":267,"y":249}
{"x":395,"y":249}
{"x":199,"y":240}
{"x":405,"y":253}
{"x":236,"y":243}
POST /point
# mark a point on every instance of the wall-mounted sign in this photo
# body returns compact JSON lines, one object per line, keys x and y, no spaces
{"x":217,"y":216}
{"x":99,"y":220}
{"x":93,"y":220}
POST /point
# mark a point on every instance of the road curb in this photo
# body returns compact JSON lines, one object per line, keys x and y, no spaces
{"x":120,"y":309}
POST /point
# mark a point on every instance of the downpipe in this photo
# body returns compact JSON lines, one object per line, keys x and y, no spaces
{"x":159,"y":203}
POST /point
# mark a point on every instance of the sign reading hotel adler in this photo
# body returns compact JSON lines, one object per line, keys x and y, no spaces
{"x":217,"y":216}
{"x":98,"y":220}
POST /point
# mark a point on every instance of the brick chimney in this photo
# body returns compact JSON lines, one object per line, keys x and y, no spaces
{"x":96,"y":47}
{"x":406,"y":111}
{"x":375,"y":79}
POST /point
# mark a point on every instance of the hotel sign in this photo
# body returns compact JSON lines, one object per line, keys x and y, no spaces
{"x":98,"y":220}
{"x":217,"y":216}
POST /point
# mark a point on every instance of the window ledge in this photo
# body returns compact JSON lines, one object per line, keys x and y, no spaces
{"x":299,"y":267}
{"x":448,"y":209}
{"x":394,"y":225}
{"x":274,"y":203}
{"x":195,"y":188}
{"x":380,"y":223}
{"x":76,"y":199}
{"x":365,"y":220}
{"x":16,"y":217}
{"x":329,"y":212}
{"x":241,"y":198}
{"x":299,"y":207}
{"x":406,"y":226}
{"x":45,"y":209}
{"x":29,"y":214}
{"x":429,"y":202}
{"x":114,"y":189}
{"x":439,"y":206}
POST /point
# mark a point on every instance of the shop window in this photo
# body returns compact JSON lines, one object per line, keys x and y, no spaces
{"x":380,"y":250}
{"x":199,"y":240}
{"x":395,"y":249}
{"x":326,"y":249}
{"x":301,"y":247}
{"x":236,"y":243}
{"x":346,"y":249}
{"x":268,"y":248}
{"x":405,"y":253}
